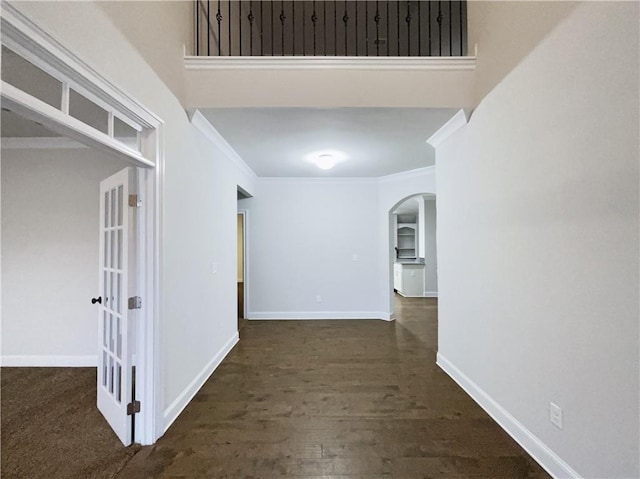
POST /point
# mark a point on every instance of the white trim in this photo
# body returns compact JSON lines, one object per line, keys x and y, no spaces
{"x":426,"y":294}
{"x":206,"y":128}
{"x":449,"y":128}
{"x":373,"y":180}
{"x":316,"y":315}
{"x":538,"y":450}
{"x":245,"y":260}
{"x":29,"y":40}
{"x":66,"y":97}
{"x":154,"y":377}
{"x":34,"y":109}
{"x":40,"y":143}
{"x":316,"y":179}
{"x":185,"y":397}
{"x":52,"y":361}
{"x":342,"y":63}
{"x":403,"y":175}
{"x":408,"y":175}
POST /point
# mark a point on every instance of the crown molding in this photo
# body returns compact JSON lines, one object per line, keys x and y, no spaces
{"x":206,"y":128}
{"x":340,"y":63}
{"x":449,"y":128}
{"x":319,"y":180}
{"x":407,"y":175}
{"x":40,"y":143}
{"x":403,"y":175}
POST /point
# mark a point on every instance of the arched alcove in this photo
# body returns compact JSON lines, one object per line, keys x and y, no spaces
{"x":419,"y":254}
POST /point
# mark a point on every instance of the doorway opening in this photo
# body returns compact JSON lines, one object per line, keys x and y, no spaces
{"x":412,"y":246}
{"x":241,"y":220}
{"x":67,"y":260}
{"x":55,"y":102}
{"x":242,"y":248}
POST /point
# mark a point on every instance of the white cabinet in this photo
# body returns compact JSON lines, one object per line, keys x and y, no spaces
{"x":408,"y":279}
{"x":397,"y":277}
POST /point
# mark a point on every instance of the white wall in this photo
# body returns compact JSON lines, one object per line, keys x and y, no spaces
{"x":303,"y":235}
{"x":50,"y":212}
{"x":427,"y":243}
{"x":504,"y":34}
{"x":198,"y":307}
{"x":311,"y":88}
{"x":422,"y":246}
{"x":163,"y":45}
{"x":430,"y":250}
{"x":538,"y":246}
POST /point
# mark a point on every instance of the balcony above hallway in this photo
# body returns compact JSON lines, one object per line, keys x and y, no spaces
{"x":331,"y":28}
{"x":329,"y":54}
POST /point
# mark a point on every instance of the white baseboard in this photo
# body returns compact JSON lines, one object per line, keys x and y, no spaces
{"x":178,"y":405}
{"x":314,"y":315}
{"x":29,"y":361}
{"x":537,"y":449}
{"x":426,"y":294}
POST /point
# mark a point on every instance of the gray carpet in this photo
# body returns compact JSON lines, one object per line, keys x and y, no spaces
{"x":51,"y":428}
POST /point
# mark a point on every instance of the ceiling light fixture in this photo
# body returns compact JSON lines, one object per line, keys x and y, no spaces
{"x":325,"y":160}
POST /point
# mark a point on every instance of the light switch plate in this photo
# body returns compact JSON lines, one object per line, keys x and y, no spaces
{"x":555,"y":415}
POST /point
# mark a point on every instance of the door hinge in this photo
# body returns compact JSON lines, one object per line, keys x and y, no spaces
{"x":134,"y":201}
{"x":135,"y":302}
{"x":133,"y":408}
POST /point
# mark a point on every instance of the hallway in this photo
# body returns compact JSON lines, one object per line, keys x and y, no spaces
{"x":340,"y":399}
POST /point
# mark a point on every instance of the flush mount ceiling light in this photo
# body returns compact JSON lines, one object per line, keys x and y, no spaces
{"x":325,"y":160}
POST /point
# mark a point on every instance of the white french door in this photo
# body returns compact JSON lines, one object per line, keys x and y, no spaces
{"x":115,"y":319}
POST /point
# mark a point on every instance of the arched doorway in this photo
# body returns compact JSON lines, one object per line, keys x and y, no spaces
{"x":412,"y":247}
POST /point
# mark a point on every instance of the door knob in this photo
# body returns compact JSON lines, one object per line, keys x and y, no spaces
{"x":96,"y":300}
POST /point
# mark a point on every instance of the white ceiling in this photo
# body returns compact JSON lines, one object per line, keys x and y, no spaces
{"x":272,"y":141}
{"x":377,"y":141}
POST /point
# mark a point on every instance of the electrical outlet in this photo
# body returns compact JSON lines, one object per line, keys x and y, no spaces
{"x":214,"y":268}
{"x":318,"y":299}
{"x":555,"y":415}
{"x":354,"y":257}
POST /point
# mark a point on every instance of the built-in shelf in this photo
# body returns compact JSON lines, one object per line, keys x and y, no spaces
{"x":406,"y":236}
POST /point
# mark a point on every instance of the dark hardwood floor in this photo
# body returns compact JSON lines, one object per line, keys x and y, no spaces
{"x":51,"y":428}
{"x":335,"y":399}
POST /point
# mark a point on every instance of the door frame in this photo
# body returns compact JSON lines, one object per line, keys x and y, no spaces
{"x":245,"y":265}
{"x":30,"y":41}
